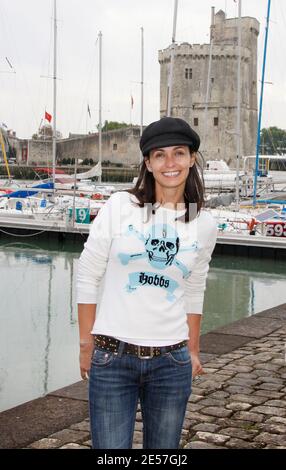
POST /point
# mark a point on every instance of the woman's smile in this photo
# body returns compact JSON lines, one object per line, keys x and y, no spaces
{"x":171,"y":174}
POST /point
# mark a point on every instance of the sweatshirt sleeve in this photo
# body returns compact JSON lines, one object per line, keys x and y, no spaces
{"x":195,"y":284}
{"x":93,"y":259}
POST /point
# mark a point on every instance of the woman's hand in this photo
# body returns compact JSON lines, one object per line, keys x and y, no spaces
{"x":197,"y":368}
{"x":85,"y":356}
{"x":194,"y":323}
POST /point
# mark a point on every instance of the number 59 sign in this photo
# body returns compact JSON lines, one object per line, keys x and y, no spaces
{"x":276,"y":229}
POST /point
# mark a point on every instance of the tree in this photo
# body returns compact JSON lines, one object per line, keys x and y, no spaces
{"x":112,"y":125}
{"x":273,"y":141}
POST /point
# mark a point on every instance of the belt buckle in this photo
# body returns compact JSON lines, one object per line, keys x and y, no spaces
{"x":145,"y":357}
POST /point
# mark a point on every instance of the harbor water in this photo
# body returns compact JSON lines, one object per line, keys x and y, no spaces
{"x":38,"y":319}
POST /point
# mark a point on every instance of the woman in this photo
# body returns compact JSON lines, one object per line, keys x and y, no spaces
{"x":148,"y":252}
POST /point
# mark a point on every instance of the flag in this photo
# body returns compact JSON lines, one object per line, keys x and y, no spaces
{"x":88,"y":110}
{"x":48,"y":116}
{"x":132,"y":102}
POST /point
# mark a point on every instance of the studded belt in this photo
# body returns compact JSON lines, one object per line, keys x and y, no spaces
{"x":111,"y":344}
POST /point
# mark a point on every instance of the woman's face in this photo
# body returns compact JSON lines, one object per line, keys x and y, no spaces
{"x":170,"y":165}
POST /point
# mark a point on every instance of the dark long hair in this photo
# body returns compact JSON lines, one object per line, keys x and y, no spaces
{"x":144,"y":190}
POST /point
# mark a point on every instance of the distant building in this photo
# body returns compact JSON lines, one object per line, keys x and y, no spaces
{"x":118,"y":146}
{"x":217,"y":126}
{"x":14,"y":146}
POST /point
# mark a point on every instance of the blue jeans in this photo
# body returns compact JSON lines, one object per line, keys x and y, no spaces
{"x":118,"y":381}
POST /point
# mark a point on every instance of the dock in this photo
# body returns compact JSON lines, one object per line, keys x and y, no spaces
{"x":229,"y":243}
{"x":250,"y":245}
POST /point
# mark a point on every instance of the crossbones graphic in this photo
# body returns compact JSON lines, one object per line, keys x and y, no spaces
{"x":161,"y":247}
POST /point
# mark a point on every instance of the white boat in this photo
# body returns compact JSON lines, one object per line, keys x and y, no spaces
{"x":252,"y":221}
{"x":44,"y":207}
{"x":218,"y":175}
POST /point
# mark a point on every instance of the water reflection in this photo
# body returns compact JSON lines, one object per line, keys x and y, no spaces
{"x":38,"y":332}
{"x":38,"y":320}
{"x":239,"y":287}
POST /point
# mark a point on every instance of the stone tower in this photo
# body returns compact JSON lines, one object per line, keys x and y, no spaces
{"x":216,"y":125}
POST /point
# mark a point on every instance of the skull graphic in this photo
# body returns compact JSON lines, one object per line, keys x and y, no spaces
{"x":162,"y":244}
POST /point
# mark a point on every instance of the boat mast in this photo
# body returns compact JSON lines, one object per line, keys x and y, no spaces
{"x":209,"y":79}
{"x":170,"y":84}
{"x":2,"y":144}
{"x":55,"y":96}
{"x":238,"y":122}
{"x":261,"y":103}
{"x":142,"y":86}
{"x":100,"y":106}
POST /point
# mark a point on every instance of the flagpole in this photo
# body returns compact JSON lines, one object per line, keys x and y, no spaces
{"x":55,"y":96}
{"x":40,"y":126}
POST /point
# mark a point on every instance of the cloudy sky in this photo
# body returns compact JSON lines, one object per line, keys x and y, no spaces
{"x":26,"y":39}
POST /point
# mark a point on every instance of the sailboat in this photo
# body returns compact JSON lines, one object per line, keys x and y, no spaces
{"x":41,"y":202}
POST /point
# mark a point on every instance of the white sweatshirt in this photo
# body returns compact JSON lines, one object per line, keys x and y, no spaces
{"x":153,"y":272}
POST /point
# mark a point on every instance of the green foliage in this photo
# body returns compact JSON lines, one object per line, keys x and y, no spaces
{"x":112,"y":125}
{"x":273,"y":141}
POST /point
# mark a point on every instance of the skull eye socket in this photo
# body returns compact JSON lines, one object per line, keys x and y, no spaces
{"x":155,"y":242}
{"x":170,"y":245}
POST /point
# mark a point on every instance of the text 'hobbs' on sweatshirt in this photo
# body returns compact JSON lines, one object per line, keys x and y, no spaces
{"x":154,"y":270}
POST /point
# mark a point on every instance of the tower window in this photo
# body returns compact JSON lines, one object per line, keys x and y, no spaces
{"x":114,"y":146}
{"x":196,"y":121}
{"x":212,"y":80}
{"x":216,"y":121}
{"x":188,"y":74}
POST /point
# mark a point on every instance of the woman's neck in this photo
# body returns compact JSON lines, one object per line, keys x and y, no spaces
{"x":169,"y":196}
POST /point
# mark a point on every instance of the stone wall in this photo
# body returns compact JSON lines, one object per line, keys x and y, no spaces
{"x":40,"y":152}
{"x":118,"y":146}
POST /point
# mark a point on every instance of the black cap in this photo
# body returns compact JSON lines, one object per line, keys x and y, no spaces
{"x":167,"y":132}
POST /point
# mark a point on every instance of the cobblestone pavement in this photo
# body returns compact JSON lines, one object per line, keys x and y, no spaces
{"x":239,"y":403}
